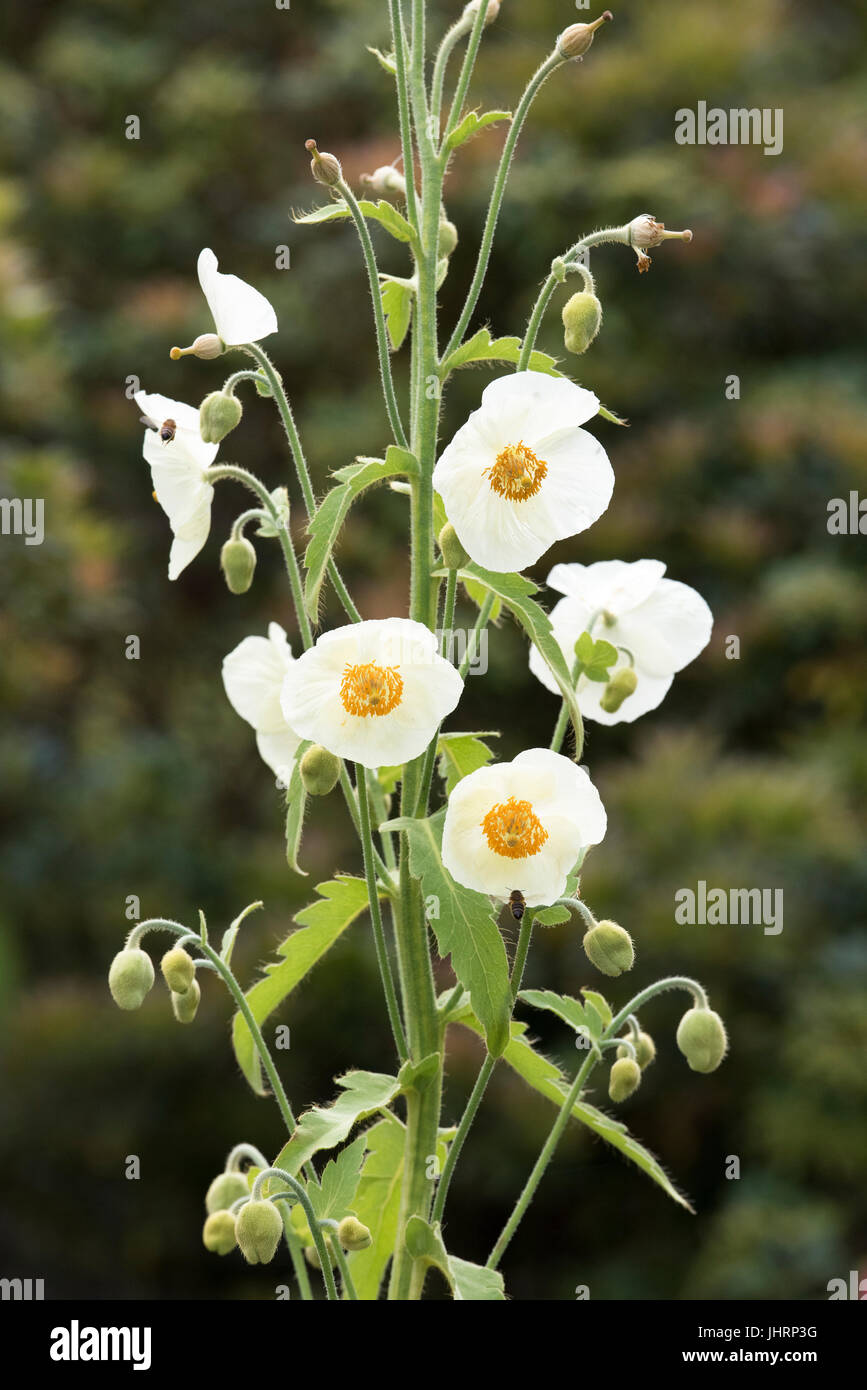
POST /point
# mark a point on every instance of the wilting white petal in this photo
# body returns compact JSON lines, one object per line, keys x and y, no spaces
{"x":241,"y":314}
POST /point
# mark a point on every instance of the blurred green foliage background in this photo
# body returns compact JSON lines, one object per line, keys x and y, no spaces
{"x":128,"y":777}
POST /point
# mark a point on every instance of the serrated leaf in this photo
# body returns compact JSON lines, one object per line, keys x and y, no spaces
{"x":387,"y":215}
{"x":332,"y":1197}
{"x":461,"y":754}
{"x":468,"y":1282}
{"x":465,"y":929}
{"x":324,"y":528}
{"x":571,"y":1010}
{"x":472,"y":124}
{"x":417,"y":1076}
{"x":483,"y":348}
{"x":601,"y":1005}
{"x":611,"y":417}
{"x":385,"y":60}
{"x":320,"y":924}
{"x":324,"y":1127}
{"x":478,"y":593}
{"x":548,"y":1080}
{"x":227,"y":945}
{"x":296,"y":806}
{"x":397,"y":301}
{"x":595,"y":657}
{"x":377,"y":1204}
{"x":329,"y":212}
{"x":551,"y":916}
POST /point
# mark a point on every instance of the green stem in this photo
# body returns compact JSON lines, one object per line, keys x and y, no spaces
{"x":352,"y":807}
{"x":672,"y":982}
{"x":430,"y":755}
{"x":481,"y":623}
{"x":312,"y":1220}
{"x":399,"y":45}
{"x":452,"y":37}
{"x":550,"y":64}
{"x":466,"y":72}
{"x":564,"y":716}
{"x":376,"y":915}
{"x":349,"y":1291}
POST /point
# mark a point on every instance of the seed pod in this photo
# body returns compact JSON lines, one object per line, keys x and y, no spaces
{"x":238,"y":563}
{"x":625,"y":1077}
{"x":325,"y":168}
{"x":609,"y":948}
{"x":701,"y":1037}
{"x":618,"y":689}
{"x":218,"y":1232}
{"x":186,"y":1006}
{"x":575,"y":41}
{"x":178,"y":970}
{"x":130,"y":976}
{"x":206,"y":346}
{"x":219,"y":414}
{"x":320,"y":770}
{"x":582,"y":319}
{"x":224,"y":1190}
{"x":353,"y":1235}
{"x":258,"y":1228}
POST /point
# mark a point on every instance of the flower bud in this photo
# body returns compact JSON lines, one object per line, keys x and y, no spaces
{"x":207,"y":345}
{"x":320,"y":770}
{"x":645,"y":1049}
{"x":186,"y":1006}
{"x":448,"y":238}
{"x":625,"y":1077}
{"x":609,"y":948}
{"x":219,"y":414}
{"x":130,"y":976}
{"x":325,"y":168}
{"x":453,"y":553}
{"x":618,"y":689}
{"x":701,"y":1037}
{"x":353,"y":1235}
{"x":582,"y":319}
{"x":218,"y":1233}
{"x":178,"y":970}
{"x":575,"y":41}
{"x":472,"y":9}
{"x":385,"y":181}
{"x":224,"y":1190}
{"x":311,"y":1254}
{"x":258,"y":1228}
{"x":238,"y":563}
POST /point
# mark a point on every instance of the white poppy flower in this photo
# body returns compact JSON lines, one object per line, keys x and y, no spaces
{"x":178,"y":472}
{"x":521,"y":474}
{"x":375,"y":692}
{"x":522,"y":825}
{"x":253,"y":676}
{"x":663,"y":624}
{"x":241,"y":314}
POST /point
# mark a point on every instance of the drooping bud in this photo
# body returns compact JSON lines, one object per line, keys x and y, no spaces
{"x":218,"y":1233}
{"x":645,"y":232}
{"x":325,"y":168}
{"x":448,"y":238}
{"x":258,"y":1229}
{"x":453,"y":553}
{"x":701,"y":1037}
{"x":645,"y":1049}
{"x":625,"y":1078}
{"x":320,"y":770}
{"x":353,"y":1235}
{"x":618,"y":689}
{"x":130,"y":976}
{"x":582,"y":319}
{"x":186,"y":1006}
{"x":219,"y":414}
{"x":609,"y":947}
{"x":386,"y":181}
{"x":238,"y":563}
{"x":311,"y":1254}
{"x":178,"y":969}
{"x":472,"y":9}
{"x":207,"y":345}
{"x":224,"y":1190}
{"x":575,"y":41}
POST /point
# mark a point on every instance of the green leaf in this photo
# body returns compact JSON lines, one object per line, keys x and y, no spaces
{"x":461,"y":754}
{"x":387,"y":215}
{"x":417,"y":1076}
{"x":515,"y":592}
{"x":571,"y":1010}
{"x":549,"y":1081}
{"x":397,"y":301}
{"x":601,"y":1005}
{"x":551,"y":916}
{"x":595,"y":657}
{"x":325,"y":526}
{"x":467,"y":1281}
{"x":483,"y":348}
{"x":320,"y":924}
{"x":377,"y":1204}
{"x":611,"y":417}
{"x":228,"y":943}
{"x":324,"y":1127}
{"x":388,"y":777}
{"x":329,"y":212}
{"x":266,"y":527}
{"x":478,"y":593}
{"x":332,"y":1197}
{"x":465,"y":929}
{"x":472,"y":124}
{"x":296,"y":806}
{"x":385,"y":60}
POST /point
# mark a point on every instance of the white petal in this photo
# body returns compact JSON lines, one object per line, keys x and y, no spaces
{"x":253,"y":678}
{"x":186,"y":547}
{"x":670,"y":628}
{"x":278,"y":751}
{"x":613,"y":584}
{"x":241,"y":314}
{"x":555,"y":402}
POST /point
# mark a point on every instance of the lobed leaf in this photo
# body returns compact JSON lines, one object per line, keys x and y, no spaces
{"x":483,"y":348}
{"x":461,"y":754}
{"x":324,"y":1127}
{"x":467,"y":1281}
{"x":472,"y":124}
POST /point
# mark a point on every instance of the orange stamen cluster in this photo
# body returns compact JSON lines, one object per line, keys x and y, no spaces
{"x":371,"y":689}
{"x":516,"y":473}
{"x":513,"y":829}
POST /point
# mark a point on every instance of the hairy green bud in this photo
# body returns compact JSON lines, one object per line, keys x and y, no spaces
{"x":582,"y":319}
{"x":320,"y":770}
{"x":609,"y":948}
{"x":258,"y":1228}
{"x":219,"y":414}
{"x":130,"y":976}
{"x":701,"y":1037}
{"x":625,"y":1077}
{"x":618,"y":689}
{"x":448,"y":238}
{"x":224,"y":1190}
{"x":453,"y":553}
{"x":218,"y":1233}
{"x":311,"y":1254}
{"x":645,"y":1049}
{"x":238,"y":563}
{"x":185,"y":1006}
{"x":353,"y":1235}
{"x":178,"y":970}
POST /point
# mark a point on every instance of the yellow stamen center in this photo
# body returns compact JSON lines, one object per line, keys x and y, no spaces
{"x":513,"y":829}
{"x":517,"y":474}
{"x":371,"y":689}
